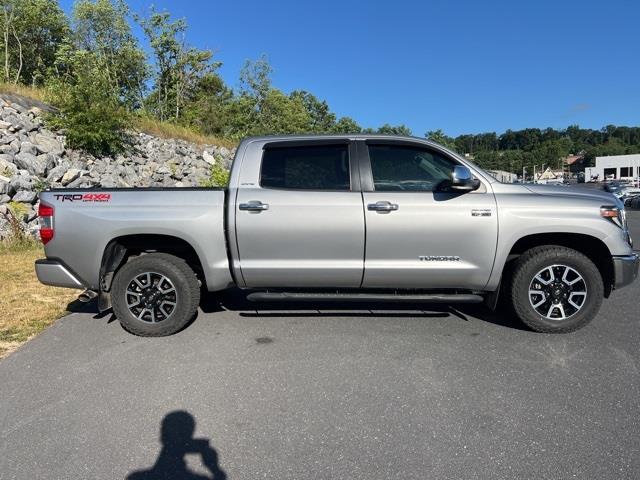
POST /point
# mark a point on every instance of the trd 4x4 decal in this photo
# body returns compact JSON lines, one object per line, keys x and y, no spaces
{"x":83,"y":197}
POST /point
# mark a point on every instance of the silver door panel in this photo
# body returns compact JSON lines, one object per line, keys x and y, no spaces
{"x":301,"y":239}
{"x":431,"y":240}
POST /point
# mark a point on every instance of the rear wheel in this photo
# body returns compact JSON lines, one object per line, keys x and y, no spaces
{"x":556,"y":289}
{"x":155,"y":295}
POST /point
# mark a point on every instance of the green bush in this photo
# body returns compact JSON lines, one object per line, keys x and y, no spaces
{"x":90,"y":111}
{"x":219,"y":177}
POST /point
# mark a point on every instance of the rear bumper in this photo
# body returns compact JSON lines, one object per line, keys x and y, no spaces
{"x":55,"y":273}
{"x":625,"y":269}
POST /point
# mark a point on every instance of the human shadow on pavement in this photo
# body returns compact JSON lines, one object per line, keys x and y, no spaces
{"x":176,"y":435}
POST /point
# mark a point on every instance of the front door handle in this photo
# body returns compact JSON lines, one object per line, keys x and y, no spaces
{"x":382,"y":207}
{"x":254,"y":206}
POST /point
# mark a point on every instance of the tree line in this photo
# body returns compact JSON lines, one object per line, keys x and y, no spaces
{"x":93,"y":69}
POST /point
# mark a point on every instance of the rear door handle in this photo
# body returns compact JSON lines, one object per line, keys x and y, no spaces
{"x":383,"y":207}
{"x":254,"y":206}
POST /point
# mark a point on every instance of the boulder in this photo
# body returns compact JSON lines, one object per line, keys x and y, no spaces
{"x":28,"y":147}
{"x":4,"y":125}
{"x":6,"y":139}
{"x":81,"y":182}
{"x":31,"y":163}
{"x":47,"y":144}
{"x":108,"y":182}
{"x":6,"y":165}
{"x":25,"y":196}
{"x":70,"y":175}
{"x":6,"y":188}
{"x":20,"y":182}
{"x":4,"y":198}
{"x":209,"y":158}
{"x":56,"y":173}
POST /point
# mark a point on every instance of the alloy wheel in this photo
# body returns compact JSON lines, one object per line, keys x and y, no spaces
{"x":151,"y":297}
{"x":557,"y":292}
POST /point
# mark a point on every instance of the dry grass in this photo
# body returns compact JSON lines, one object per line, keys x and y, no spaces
{"x":142,"y":123}
{"x":26,"y":306}
{"x":29,"y":92}
{"x":170,"y":130}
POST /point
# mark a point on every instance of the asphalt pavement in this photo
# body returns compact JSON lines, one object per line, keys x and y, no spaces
{"x":408,"y":393}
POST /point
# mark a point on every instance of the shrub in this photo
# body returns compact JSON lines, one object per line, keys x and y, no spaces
{"x":17,"y":236}
{"x":90,"y":111}
{"x":219,"y":177}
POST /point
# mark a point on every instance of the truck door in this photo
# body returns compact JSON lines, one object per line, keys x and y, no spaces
{"x":300,"y":220}
{"x":418,"y":237}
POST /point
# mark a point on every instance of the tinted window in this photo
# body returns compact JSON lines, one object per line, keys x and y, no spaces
{"x":319,"y":167}
{"x":406,"y":168}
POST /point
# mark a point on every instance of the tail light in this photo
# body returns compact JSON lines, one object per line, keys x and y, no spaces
{"x":45,"y":219}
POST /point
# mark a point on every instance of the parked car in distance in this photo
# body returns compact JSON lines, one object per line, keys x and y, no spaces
{"x":353,"y":218}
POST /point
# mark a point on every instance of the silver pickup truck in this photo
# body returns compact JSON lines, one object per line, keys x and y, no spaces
{"x":340,"y":218}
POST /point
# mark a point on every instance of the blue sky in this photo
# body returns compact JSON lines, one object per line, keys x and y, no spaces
{"x":462,"y":66}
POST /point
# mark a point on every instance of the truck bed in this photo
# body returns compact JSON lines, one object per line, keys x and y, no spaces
{"x":87,"y":220}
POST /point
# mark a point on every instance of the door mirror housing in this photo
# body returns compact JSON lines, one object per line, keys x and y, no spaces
{"x":462,"y":179}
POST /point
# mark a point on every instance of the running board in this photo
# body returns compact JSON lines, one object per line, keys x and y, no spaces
{"x":364,"y":297}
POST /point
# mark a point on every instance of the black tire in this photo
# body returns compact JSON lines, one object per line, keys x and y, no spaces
{"x":538,"y":259}
{"x":160,"y":320}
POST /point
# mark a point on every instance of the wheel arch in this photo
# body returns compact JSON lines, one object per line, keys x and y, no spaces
{"x":592,"y":247}
{"x":119,"y":249}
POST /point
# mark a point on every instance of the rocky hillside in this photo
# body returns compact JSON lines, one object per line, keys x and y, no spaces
{"x":33,"y":158}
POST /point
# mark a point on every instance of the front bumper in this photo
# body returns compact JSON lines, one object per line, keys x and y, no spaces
{"x":55,"y":273}
{"x":625,"y":269}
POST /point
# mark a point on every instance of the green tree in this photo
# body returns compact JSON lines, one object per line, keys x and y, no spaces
{"x":322,"y":120}
{"x":346,"y":125}
{"x":181,"y":71}
{"x":101,"y":31}
{"x":32,"y":32}
{"x":387,"y":129}
{"x":207,"y":107}
{"x":261,"y":109}
{"x":440,"y":137}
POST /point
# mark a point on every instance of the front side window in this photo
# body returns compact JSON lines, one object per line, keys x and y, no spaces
{"x":314,"y":167}
{"x":407,"y":168}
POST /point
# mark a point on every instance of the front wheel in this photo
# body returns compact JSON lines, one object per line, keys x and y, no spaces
{"x":556,"y":289}
{"x":155,"y":294}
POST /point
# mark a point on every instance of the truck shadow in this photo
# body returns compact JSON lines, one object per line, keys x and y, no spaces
{"x":235,"y":300}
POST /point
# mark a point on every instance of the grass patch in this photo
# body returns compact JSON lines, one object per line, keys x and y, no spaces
{"x":26,"y":306}
{"x":34,"y":93}
{"x":171,"y":130}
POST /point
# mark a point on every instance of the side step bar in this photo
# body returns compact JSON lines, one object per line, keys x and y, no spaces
{"x":364,"y":297}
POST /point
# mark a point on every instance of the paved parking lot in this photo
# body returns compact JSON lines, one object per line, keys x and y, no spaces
{"x":354,"y":394}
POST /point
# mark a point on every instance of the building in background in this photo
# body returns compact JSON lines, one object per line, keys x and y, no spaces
{"x":550,"y":176}
{"x":504,"y":177}
{"x":574,"y":163}
{"x":614,"y":167}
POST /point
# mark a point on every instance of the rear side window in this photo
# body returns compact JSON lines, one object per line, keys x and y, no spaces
{"x":314,"y":167}
{"x":406,"y":168}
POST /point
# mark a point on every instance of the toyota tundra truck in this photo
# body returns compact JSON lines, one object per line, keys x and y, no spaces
{"x":343,"y":218}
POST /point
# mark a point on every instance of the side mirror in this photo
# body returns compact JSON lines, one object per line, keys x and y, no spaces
{"x":462,"y":180}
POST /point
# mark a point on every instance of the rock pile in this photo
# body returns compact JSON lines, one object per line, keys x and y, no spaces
{"x":33,"y":158}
